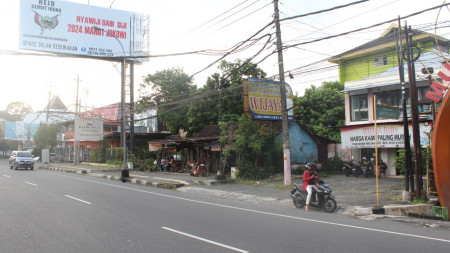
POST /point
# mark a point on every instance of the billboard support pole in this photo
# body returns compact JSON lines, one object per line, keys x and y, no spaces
{"x":284,"y":116}
{"x":122,"y":114}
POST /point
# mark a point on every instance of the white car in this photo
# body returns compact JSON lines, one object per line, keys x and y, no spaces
{"x":21,"y":159}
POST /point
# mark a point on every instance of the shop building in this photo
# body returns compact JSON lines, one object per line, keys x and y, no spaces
{"x":372,"y":70}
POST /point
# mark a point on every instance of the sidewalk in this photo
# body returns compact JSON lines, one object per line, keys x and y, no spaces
{"x":355,"y":196}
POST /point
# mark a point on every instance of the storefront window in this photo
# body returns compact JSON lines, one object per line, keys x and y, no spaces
{"x":359,"y":107}
{"x":389,"y":98}
{"x":394,"y":98}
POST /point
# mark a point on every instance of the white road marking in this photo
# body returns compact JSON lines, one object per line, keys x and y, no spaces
{"x":7,"y":176}
{"x":205,"y":240}
{"x":260,"y":212}
{"x":31,"y":184}
{"x":89,"y":203}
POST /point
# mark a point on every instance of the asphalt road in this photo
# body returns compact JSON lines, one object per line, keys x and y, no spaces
{"x":43,"y":211}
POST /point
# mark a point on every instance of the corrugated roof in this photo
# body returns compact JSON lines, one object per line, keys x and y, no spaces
{"x":386,"y":40}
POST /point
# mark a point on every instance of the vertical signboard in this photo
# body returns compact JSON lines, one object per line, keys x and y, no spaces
{"x":263,"y":101}
{"x":70,"y":28}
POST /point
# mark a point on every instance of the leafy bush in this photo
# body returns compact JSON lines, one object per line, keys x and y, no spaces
{"x":399,"y":160}
{"x":332,"y":164}
{"x":252,"y":144}
{"x":252,"y":173}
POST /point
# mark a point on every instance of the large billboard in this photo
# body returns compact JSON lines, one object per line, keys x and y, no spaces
{"x":70,"y":28}
{"x":88,"y":129}
{"x":263,"y":101}
{"x":20,"y":131}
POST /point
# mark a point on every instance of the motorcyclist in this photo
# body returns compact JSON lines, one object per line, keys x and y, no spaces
{"x":309,"y":182}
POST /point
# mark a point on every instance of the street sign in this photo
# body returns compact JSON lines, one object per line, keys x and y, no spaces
{"x":387,"y":112}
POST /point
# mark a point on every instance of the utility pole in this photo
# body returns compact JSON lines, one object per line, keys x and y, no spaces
{"x":132,"y":107}
{"x":284,"y":116}
{"x":77,"y":113}
{"x":48,"y":105}
{"x":414,"y":114}
{"x":405,"y":113}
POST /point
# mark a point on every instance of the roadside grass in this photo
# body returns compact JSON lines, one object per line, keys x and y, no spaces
{"x":418,"y":201}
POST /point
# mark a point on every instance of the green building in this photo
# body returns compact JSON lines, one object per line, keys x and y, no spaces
{"x":372,"y":71}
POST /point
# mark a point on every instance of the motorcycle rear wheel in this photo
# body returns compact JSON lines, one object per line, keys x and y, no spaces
{"x":297,"y":199}
{"x":330,"y":205}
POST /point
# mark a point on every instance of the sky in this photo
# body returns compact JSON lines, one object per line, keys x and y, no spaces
{"x":183,"y":26}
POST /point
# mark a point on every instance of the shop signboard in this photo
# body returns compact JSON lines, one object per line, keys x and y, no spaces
{"x":215,"y":146}
{"x":262,"y":99}
{"x":388,"y":112}
{"x":154,"y":147}
{"x":389,"y":136}
{"x":88,"y":129}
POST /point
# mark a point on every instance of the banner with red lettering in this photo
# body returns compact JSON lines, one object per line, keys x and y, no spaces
{"x":389,"y":136}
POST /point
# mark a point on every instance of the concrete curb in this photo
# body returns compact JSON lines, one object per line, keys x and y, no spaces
{"x":115,"y":178}
{"x":395,"y":210}
{"x":66,"y":169}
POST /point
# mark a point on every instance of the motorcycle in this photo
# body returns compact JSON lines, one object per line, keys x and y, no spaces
{"x":199,"y":170}
{"x":321,"y":198}
{"x":368,"y":169}
{"x":350,"y":168}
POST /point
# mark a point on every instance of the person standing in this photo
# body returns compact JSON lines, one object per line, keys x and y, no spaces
{"x":309,"y":182}
{"x":382,"y":169}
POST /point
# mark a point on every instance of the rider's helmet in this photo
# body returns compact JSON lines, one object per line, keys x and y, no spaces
{"x":311,"y":166}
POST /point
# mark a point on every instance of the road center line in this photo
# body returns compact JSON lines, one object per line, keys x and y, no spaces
{"x":70,"y":197}
{"x":261,"y":212}
{"x":31,"y":183}
{"x":205,"y":240}
{"x":7,"y":176}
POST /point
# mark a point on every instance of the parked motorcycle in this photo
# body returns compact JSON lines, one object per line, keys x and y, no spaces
{"x":367,"y":168}
{"x":350,"y":168}
{"x":199,"y":170}
{"x":321,"y":198}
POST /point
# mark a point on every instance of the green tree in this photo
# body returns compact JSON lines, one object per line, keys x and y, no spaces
{"x":222,"y":95}
{"x":19,"y":109}
{"x":169,"y":91}
{"x":252,"y":142}
{"x":45,"y":138}
{"x":322,"y":109}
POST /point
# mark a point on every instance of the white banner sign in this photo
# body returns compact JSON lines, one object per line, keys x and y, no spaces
{"x":71,"y":28}
{"x":88,"y":129}
{"x":389,"y":136}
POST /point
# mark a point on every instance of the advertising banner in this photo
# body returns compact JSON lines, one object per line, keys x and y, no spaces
{"x":88,"y":129}
{"x":20,"y":131}
{"x":389,"y":136}
{"x":70,"y":28}
{"x":263,"y":101}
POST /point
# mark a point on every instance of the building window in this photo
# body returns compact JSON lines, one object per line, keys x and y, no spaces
{"x":380,"y":61}
{"x":359,"y":108}
{"x":389,"y":98}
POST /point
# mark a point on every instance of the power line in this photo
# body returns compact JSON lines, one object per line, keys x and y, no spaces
{"x":368,"y":27}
